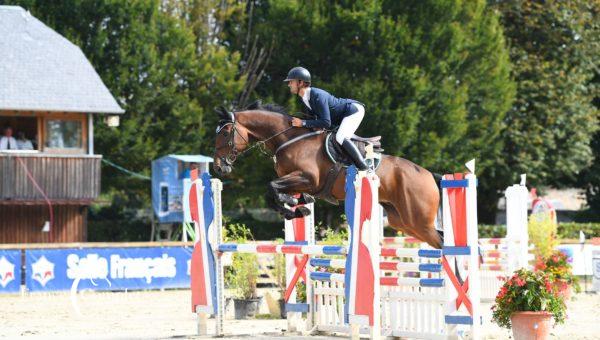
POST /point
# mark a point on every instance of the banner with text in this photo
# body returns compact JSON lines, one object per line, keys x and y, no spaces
{"x":108,"y":268}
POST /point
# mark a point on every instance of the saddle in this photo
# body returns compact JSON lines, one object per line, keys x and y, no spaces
{"x":340,"y":160}
{"x":337,"y":155}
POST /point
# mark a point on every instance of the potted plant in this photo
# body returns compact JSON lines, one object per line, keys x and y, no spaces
{"x":558,"y":266}
{"x":242,"y":275}
{"x":528,"y":301}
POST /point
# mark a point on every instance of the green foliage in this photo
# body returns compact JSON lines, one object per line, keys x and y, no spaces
{"x":492,"y":230}
{"x":279,"y":270}
{"x":566,"y":230}
{"x":419,"y":66}
{"x":242,"y":275}
{"x":236,"y":233}
{"x":443,"y":61}
{"x":571,"y":230}
{"x":438,"y":80}
{"x":335,"y":237}
{"x":113,"y":223}
{"x":554,"y":50}
{"x":154,"y":65}
{"x":527,"y":291}
{"x":591,"y":177}
{"x":542,"y":233}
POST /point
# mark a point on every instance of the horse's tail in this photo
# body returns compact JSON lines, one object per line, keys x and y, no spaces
{"x":438,"y":178}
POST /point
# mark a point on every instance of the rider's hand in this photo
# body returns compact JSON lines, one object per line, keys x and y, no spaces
{"x":296,"y":122}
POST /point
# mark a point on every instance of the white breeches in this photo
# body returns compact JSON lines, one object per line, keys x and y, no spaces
{"x":350,"y":124}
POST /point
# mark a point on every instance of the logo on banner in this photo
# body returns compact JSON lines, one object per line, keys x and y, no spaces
{"x":7,"y":272}
{"x":43,"y":271}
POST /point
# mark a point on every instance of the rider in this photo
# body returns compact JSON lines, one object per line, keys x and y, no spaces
{"x":327,"y":111}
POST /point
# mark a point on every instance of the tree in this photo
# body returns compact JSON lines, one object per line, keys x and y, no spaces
{"x":434,"y":75}
{"x":554,"y":50}
{"x":151,"y":62}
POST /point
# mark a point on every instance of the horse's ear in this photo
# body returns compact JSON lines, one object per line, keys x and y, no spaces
{"x":224,"y":115}
{"x":220,"y":111}
{"x":255,"y":105}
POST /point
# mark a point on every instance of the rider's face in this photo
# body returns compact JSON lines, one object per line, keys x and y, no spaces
{"x":294,"y":86}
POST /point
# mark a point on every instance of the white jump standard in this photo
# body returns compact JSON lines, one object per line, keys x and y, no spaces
{"x":374,"y":295}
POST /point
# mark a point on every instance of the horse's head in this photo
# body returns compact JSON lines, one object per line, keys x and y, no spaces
{"x":231,"y":138}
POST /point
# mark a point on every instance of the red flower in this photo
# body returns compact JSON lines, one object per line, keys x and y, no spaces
{"x":502,"y":292}
{"x":520,"y":282}
{"x":540,"y":266}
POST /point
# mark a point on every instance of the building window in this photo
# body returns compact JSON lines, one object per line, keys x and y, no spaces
{"x":24,"y":131}
{"x":63,"y":134}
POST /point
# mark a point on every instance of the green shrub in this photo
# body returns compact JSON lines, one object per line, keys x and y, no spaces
{"x":542,"y":233}
{"x":566,"y":230}
{"x":571,"y":230}
{"x":335,"y":237}
{"x":243,"y":274}
{"x":492,"y":230}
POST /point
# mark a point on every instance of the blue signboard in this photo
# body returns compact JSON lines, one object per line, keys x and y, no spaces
{"x":108,"y":268}
{"x":10,"y":271}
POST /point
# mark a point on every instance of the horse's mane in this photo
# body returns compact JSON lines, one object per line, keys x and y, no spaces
{"x":272,"y":107}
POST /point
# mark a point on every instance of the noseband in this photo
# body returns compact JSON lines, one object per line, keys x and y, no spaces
{"x":233,"y":153}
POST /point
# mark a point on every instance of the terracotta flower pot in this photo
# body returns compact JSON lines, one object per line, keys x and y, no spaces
{"x":531,"y":325}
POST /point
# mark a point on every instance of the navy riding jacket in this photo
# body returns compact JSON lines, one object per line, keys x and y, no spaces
{"x":327,"y":109}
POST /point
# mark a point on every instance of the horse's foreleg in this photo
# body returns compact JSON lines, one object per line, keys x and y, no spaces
{"x":281,"y":190}
{"x":292,"y":200}
{"x":274,"y":202}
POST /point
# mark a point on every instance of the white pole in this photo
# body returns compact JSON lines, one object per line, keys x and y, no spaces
{"x":473,"y":242}
{"x":217,"y":234}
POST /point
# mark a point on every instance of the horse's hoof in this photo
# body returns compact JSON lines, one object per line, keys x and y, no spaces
{"x":288,"y":199}
{"x":306,"y":199}
{"x":302,"y":211}
{"x":289,"y":215}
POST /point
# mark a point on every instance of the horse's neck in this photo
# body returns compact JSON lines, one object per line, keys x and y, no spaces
{"x":268,"y":126}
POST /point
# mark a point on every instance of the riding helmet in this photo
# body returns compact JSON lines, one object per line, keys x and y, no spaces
{"x":298,"y":73}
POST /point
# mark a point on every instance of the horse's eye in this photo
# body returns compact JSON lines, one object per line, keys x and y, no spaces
{"x":226,"y":133}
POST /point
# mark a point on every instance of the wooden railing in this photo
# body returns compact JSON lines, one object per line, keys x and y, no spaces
{"x":65,"y":178}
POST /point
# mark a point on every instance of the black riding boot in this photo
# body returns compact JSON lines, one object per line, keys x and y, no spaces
{"x":355,"y":155}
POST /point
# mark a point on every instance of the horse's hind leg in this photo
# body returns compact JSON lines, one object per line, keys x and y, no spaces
{"x":425,"y":233}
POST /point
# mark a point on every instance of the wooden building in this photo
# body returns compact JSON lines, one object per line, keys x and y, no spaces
{"x":50,"y":96}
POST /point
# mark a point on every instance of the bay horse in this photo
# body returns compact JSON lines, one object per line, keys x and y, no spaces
{"x":408,"y":193}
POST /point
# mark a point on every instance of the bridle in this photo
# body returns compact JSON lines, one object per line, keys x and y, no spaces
{"x":233,"y":153}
